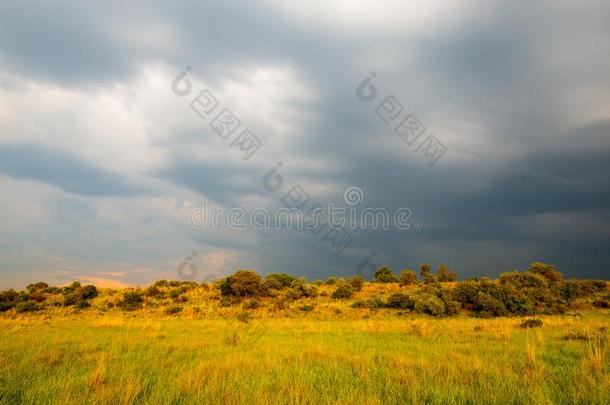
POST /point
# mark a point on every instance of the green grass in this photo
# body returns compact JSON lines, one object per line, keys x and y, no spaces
{"x":126,"y":358}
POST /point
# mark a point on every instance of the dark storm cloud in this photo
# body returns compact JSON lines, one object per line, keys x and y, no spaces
{"x":63,"y":170}
{"x":512,"y":73}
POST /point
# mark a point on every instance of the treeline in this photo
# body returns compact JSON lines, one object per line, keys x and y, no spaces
{"x":539,"y":290}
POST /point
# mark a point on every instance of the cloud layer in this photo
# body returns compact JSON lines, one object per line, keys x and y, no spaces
{"x":100,"y":161}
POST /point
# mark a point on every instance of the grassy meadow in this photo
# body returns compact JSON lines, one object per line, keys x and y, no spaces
{"x":318,"y":350}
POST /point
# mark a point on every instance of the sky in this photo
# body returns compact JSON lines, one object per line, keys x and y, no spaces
{"x":105,"y":159}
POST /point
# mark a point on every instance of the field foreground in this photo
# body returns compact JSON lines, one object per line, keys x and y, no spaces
{"x":123,"y":358}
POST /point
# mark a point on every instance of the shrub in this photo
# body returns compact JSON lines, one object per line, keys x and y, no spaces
{"x":400,"y":301}
{"x":153,"y":291}
{"x":343,"y":292}
{"x":488,"y":306}
{"x":224,"y":286}
{"x":38,"y":296}
{"x":546,"y":270}
{"x":245,"y":283}
{"x":173,"y":310}
{"x":88,"y":292}
{"x":37,"y":287}
{"x":132,"y":300}
{"x":82,"y":304}
{"x":430,"y":305}
{"x":306,"y":308}
{"x":279,"y":281}
{"x":71,"y":298}
{"x":331,"y":281}
{"x":531,"y":323}
{"x":444,"y":275}
{"x":26,"y":306}
{"x":174,"y":294}
{"x":356,"y":282}
{"x":252,"y":304}
{"x":225,"y":302}
{"x":424,"y":270}
{"x":303,"y":289}
{"x":408,"y":277}
{"x":385,"y":275}
{"x":372,"y":303}
{"x":160,"y":283}
{"x":8,"y":300}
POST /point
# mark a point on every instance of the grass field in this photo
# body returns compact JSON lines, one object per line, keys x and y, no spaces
{"x":356,"y":357}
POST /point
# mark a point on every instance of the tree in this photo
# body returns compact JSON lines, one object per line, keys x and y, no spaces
{"x":279,"y":281}
{"x":246,"y":283}
{"x":342,"y":292}
{"x":385,"y":275}
{"x":408,"y":277}
{"x":546,"y":270}
{"x":356,"y":282}
{"x":425,"y":272}
{"x":444,"y":274}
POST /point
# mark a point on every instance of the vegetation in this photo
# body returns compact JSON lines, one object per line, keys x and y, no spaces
{"x":527,"y":337}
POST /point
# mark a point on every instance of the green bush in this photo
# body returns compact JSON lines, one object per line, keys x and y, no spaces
{"x":8,"y":300}
{"x":372,"y":303}
{"x":408,"y":277}
{"x":26,"y":306}
{"x":425,"y":272}
{"x":356,"y":282}
{"x":385,"y":275}
{"x":38,"y":296}
{"x":343,"y":292}
{"x":40,"y":286}
{"x":444,"y":275}
{"x":173,"y":310}
{"x":546,"y":270}
{"x":430,"y":305}
{"x":488,"y":306}
{"x":302,"y":289}
{"x":279,"y":281}
{"x":252,"y":304}
{"x":88,"y":292}
{"x":331,"y":281}
{"x":306,"y":308}
{"x":154,"y":291}
{"x":71,"y":298}
{"x":244,"y":283}
{"x":82,"y":304}
{"x":400,"y":301}
{"x":132,"y":300}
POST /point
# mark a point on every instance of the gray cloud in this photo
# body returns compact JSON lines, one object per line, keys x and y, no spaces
{"x":61,"y":169}
{"x":519,"y":97}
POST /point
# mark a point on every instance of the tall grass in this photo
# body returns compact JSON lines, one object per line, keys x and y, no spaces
{"x":385,"y":359}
